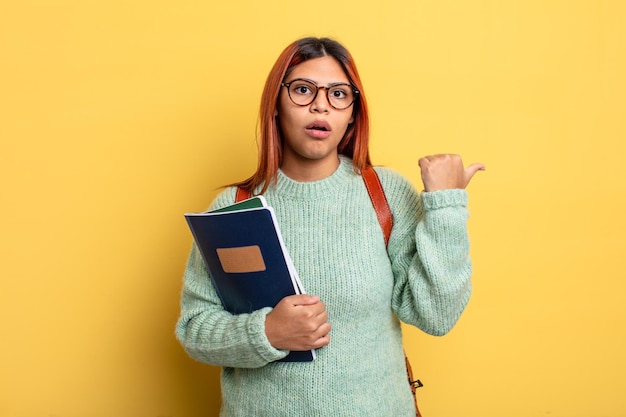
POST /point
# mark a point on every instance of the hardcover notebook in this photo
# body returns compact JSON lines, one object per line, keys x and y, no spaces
{"x":245,"y":254}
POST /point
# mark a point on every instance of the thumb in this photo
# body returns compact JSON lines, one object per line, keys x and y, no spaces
{"x":304,"y":299}
{"x":471,"y":170}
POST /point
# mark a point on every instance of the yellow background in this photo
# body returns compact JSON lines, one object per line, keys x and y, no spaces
{"x":116,"y":117}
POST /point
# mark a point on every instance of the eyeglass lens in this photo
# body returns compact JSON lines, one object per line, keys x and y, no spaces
{"x":304,"y":92}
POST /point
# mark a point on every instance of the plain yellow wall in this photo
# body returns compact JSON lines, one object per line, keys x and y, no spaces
{"x":117,"y":117}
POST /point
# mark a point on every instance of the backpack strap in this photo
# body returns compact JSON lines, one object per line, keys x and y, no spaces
{"x":374,"y":189}
{"x":242,"y":195}
{"x":379,"y":201}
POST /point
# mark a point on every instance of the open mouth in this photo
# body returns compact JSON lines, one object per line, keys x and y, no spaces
{"x":319,"y":126}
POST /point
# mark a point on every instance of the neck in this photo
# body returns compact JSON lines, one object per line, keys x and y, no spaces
{"x":307,"y":170}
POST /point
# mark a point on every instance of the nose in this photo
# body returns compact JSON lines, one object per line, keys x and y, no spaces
{"x":321,"y":103}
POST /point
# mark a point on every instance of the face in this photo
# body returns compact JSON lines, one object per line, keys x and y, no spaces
{"x":312,"y":133}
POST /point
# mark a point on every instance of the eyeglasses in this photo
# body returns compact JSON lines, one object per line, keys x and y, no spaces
{"x":303,"y":92}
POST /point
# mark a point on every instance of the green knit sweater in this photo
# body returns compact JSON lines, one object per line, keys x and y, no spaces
{"x":334,"y":238}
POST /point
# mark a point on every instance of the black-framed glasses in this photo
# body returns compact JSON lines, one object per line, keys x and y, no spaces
{"x":303,"y":92}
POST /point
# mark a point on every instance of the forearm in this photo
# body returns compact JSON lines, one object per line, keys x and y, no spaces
{"x":212,"y":335}
{"x":433,"y":270}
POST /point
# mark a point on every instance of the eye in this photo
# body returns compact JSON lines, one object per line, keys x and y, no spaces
{"x":340,"y":92}
{"x":302,"y":88}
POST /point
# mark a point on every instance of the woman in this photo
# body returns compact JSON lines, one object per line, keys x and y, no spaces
{"x":314,"y":145}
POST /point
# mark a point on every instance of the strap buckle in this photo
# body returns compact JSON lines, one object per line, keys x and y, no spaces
{"x":416,"y":384}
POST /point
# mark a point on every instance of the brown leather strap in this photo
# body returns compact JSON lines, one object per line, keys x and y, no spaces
{"x":415,"y":384}
{"x":379,"y":201}
{"x":242,"y":195}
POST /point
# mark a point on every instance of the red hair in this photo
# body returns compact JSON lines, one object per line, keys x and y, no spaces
{"x":355,"y":143}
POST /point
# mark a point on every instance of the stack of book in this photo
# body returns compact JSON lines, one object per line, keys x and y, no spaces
{"x":247,"y":259}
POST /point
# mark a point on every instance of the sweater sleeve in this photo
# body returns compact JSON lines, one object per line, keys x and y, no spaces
{"x":211,"y":334}
{"x":429,"y":253}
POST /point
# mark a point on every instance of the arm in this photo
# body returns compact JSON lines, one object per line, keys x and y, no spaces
{"x":429,"y":248}
{"x":212,"y":335}
{"x":430,"y":261}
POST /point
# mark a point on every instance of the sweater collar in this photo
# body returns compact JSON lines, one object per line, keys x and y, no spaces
{"x":327,"y":187}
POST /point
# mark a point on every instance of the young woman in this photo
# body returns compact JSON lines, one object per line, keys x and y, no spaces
{"x":313,"y":147}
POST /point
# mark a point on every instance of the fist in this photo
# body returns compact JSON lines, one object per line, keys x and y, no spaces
{"x":446,"y":171}
{"x":298,"y":322}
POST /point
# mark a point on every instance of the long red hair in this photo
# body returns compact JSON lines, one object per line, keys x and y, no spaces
{"x":355,"y":143}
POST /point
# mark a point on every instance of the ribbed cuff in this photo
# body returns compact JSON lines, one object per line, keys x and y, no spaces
{"x":444,"y":198}
{"x":258,"y":338}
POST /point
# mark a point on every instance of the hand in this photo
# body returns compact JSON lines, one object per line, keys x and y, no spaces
{"x":298,"y":322}
{"x":446,"y":171}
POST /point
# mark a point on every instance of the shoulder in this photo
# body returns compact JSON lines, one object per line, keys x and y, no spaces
{"x":225,"y":198}
{"x":396,"y":186}
{"x":403,"y":198}
{"x":389,"y":174}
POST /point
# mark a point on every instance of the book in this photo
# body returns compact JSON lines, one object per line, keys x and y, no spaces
{"x":254,"y":202}
{"x":247,"y":259}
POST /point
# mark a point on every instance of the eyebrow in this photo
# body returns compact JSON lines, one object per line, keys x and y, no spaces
{"x":318,"y":84}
